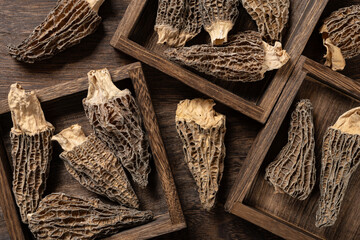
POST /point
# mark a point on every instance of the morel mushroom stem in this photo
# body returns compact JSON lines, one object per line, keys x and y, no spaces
{"x":30,"y":149}
{"x":62,"y":216}
{"x":246,"y":57}
{"x":340,"y":159}
{"x":340,"y":34}
{"x":202,"y":132}
{"x":116,"y":120}
{"x":293,"y":171}
{"x":68,"y":23}
{"x":94,"y":166}
{"x":218,"y":31}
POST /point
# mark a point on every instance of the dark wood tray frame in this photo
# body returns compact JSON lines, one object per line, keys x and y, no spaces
{"x":171,"y":221}
{"x":259,"y":111}
{"x":236,"y":201}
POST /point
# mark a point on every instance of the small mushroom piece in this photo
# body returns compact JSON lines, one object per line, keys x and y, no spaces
{"x":30,"y":149}
{"x":202,"y":132}
{"x":340,"y":34}
{"x":219,"y":17}
{"x":68,"y":23}
{"x":62,"y":216}
{"x":271,"y":17}
{"x":94,"y":166}
{"x":293,"y":171}
{"x":340,"y":159}
{"x":177,"y":21}
{"x":116,"y":120}
{"x":244,"y":58}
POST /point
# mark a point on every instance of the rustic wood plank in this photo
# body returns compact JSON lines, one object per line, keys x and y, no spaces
{"x":156,"y":144}
{"x":249,"y":109}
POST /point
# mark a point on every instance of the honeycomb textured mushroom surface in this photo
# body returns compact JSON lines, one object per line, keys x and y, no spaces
{"x":341,"y":37}
{"x":68,"y":23}
{"x":202,"y":132}
{"x":116,"y":120}
{"x":293,"y":171}
{"x":92,"y":163}
{"x":271,"y":17}
{"x":31,"y":149}
{"x":178,"y":21}
{"x":219,"y":17}
{"x":244,"y":58}
{"x":61,"y":216}
{"x":340,"y":159}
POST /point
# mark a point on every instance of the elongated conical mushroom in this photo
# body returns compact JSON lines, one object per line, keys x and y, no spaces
{"x":178,"y":21}
{"x":61,"y":216}
{"x":293,"y":171}
{"x":340,"y":158}
{"x":271,"y":17}
{"x":92,"y":163}
{"x":202,"y":132}
{"x":341,"y":37}
{"x":244,"y":58}
{"x":116,"y":120}
{"x":219,"y":17}
{"x":30,"y":149}
{"x":68,"y":23}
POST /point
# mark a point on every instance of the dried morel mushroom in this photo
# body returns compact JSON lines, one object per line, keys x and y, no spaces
{"x":92,"y":163}
{"x":30,"y":149}
{"x":61,"y":216}
{"x":178,"y":21}
{"x":271,"y":16}
{"x":340,"y":34}
{"x":68,"y":23}
{"x":340,"y":158}
{"x":202,"y":132}
{"x":219,"y":17}
{"x":293,"y":170}
{"x":116,"y":120}
{"x":244,"y":58}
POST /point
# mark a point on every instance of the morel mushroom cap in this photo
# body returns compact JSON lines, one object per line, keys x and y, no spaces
{"x":219,"y":18}
{"x":271,"y":17}
{"x":116,"y":120}
{"x":94,"y":166}
{"x":340,"y":34}
{"x":340,"y":158}
{"x":61,"y":216}
{"x":293,"y":171}
{"x":177,"y":21}
{"x":244,"y":58}
{"x":68,"y":23}
{"x":202,"y":132}
{"x":30,"y":149}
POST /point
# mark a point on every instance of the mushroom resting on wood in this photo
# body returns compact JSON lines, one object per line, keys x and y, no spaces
{"x":94,"y":166}
{"x":202,"y":132}
{"x":61,"y":216}
{"x":68,"y":23}
{"x":341,"y":36}
{"x":293,"y":170}
{"x":30,"y":149}
{"x":340,"y":159}
{"x":116,"y":120}
{"x":246,"y":57}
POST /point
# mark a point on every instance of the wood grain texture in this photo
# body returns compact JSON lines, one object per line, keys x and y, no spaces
{"x":253,"y":198}
{"x":255,"y":100}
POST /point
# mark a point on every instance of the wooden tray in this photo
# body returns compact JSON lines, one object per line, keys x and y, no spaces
{"x":253,"y":199}
{"x":62,"y":106}
{"x":135,"y":36}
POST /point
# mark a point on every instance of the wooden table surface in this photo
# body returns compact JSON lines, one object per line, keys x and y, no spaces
{"x":18,"y":19}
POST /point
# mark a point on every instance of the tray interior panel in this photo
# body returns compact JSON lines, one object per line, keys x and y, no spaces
{"x":144,"y":34}
{"x":328,"y":105}
{"x":64,"y":112}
